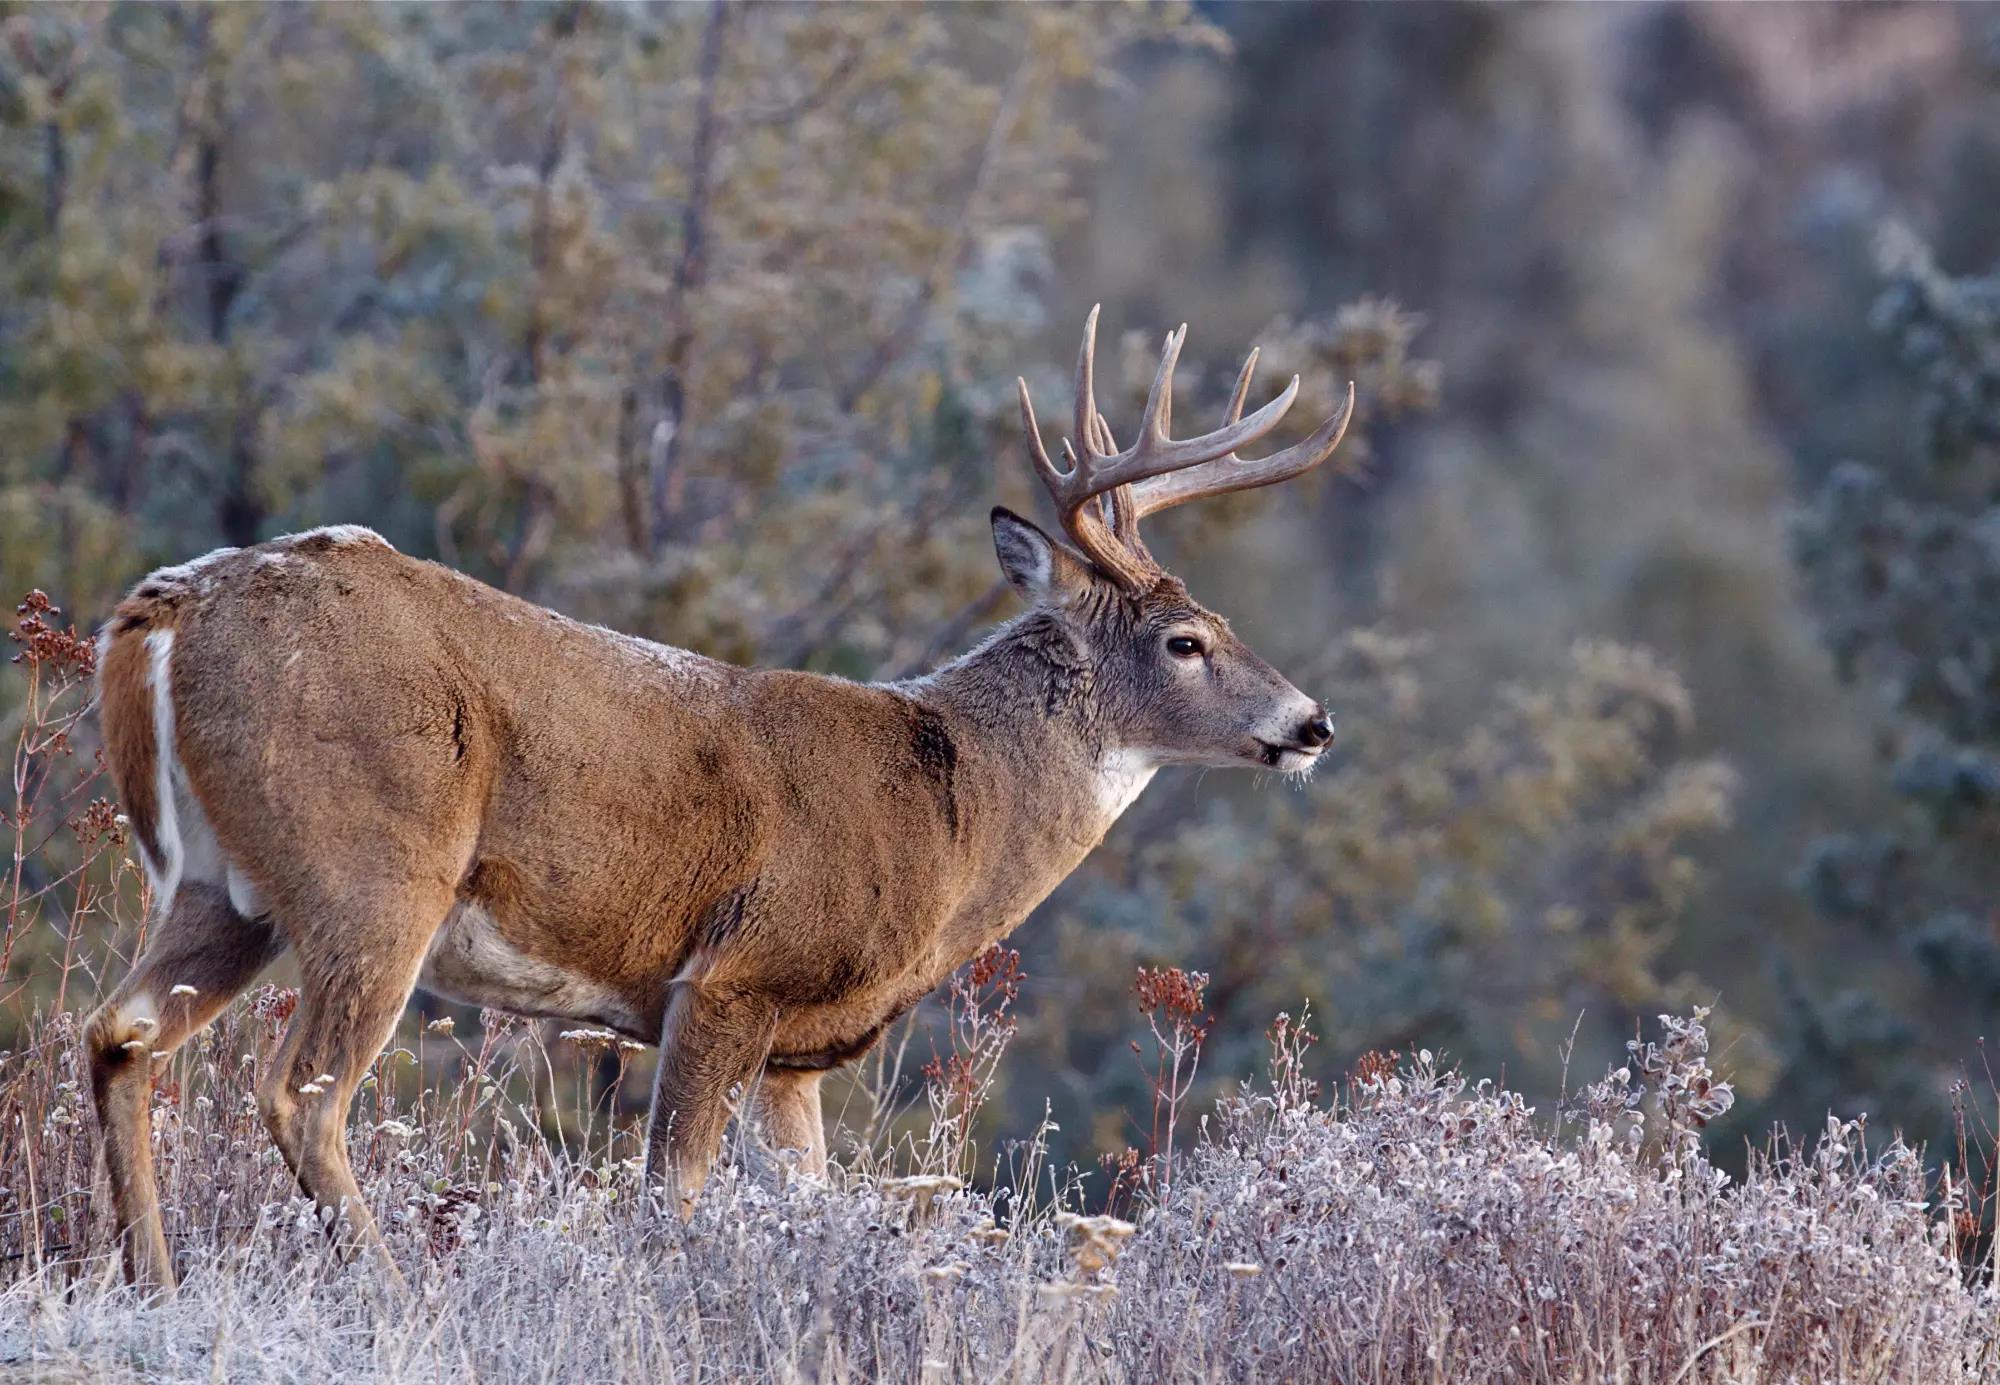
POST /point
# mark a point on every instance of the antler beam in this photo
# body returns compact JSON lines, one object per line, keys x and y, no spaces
{"x":1103,"y":493}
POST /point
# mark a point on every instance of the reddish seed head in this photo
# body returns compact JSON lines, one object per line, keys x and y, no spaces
{"x":45,"y":644}
{"x":998,"y":967}
{"x":1375,"y":1066}
{"x":98,"y":822}
{"x":1179,"y":993}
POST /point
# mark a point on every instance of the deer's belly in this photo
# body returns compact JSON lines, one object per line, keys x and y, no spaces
{"x":471,"y":961}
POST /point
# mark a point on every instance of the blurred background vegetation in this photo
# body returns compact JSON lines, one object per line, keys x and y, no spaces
{"x":1661,"y":615}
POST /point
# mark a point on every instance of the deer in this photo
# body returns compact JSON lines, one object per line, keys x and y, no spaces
{"x":404,"y":777}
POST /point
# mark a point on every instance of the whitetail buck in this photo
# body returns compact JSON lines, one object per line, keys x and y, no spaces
{"x":408,"y":778}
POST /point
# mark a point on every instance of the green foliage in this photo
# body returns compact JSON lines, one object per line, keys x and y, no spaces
{"x":577,"y":297}
{"x":1902,"y":556}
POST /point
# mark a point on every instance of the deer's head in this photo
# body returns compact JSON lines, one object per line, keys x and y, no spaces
{"x":1169,"y":680}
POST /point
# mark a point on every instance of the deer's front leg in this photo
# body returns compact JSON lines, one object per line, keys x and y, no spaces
{"x":713,"y":1045}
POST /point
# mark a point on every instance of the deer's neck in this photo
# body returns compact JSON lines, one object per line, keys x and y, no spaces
{"x":1044,"y":779}
{"x":1027,"y":700}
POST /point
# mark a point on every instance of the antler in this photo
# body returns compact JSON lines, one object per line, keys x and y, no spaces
{"x":1105,"y":493}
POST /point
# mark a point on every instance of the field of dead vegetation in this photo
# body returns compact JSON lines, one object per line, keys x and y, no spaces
{"x":1410,"y":1226}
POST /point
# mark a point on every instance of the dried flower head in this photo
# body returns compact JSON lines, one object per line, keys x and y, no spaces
{"x":57,"y":649}
{"x":920,"y":1190}
{"x":1094,"y":1241}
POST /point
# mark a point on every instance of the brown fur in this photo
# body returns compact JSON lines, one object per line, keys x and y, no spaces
{"x":126,"y":706}
{"x":417,"y":777}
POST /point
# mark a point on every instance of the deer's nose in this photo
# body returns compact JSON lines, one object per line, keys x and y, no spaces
{"x":1318,"y":730}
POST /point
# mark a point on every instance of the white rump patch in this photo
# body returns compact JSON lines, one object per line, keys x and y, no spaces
{"x":97,"y":677}
{"x":166,"y":871}
{"x":1121,"y":776}
{"x":244,"y":896}
{"x":189,"y":848}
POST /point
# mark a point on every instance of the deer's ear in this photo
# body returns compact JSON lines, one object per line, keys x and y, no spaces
{"x":1041,"y":569}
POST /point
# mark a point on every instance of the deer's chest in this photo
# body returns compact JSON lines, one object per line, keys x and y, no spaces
{"x":899,"y":944}
{"x":840,"y":1031}
{"x":832,"y":1036}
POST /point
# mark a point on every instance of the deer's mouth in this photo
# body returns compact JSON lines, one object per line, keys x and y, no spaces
{"x":1286,"y":759}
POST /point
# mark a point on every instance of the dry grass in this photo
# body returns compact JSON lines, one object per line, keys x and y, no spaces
{"x":1413,"y":1229}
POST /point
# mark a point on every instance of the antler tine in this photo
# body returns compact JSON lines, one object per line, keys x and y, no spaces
{"x":1086,"y":379}
{"x":1037,"y":454}
{"x":1117,"y":502}
{"x":1232,"y":473}
{"x":1153,"y":453}
{"x":1241,"y":393}
{"x":1158,"y":418}
{"x":1074,"y":490}
{"x":1105,"y":443}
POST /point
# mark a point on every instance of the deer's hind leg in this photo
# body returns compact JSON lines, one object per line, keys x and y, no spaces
{"x":359,"y":957}
{"x":201,"y":955}
{"x":788,"y":1109}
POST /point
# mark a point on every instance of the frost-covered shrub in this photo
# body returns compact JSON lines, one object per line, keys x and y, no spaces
{"x":1416,"y":1227}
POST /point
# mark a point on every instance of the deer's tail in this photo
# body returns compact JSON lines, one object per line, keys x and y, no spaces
{"x":136,"y":706}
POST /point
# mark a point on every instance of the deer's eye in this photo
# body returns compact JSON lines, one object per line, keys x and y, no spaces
{"x":1185,"y":647}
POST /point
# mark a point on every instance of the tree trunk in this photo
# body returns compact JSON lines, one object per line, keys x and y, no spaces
{"x":663,"y":461}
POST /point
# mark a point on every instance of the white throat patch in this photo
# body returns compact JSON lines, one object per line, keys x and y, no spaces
{"x":1121,"y":775}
